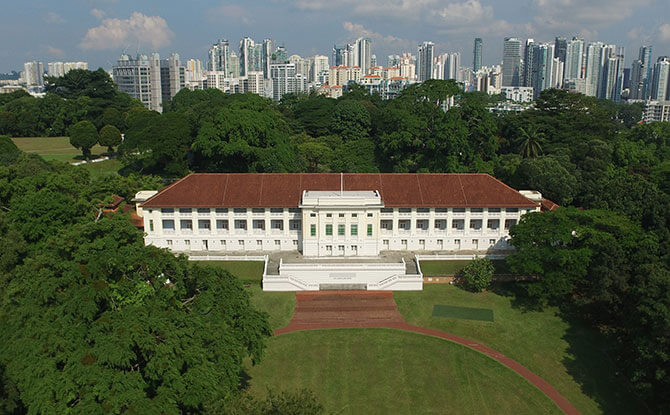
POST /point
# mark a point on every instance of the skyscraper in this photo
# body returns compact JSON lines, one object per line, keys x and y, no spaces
{"x":512,"y":72}
{"x":526,"y":77}
{"x":560,"y":48}
{"x":612,"y":74}
{"x":574,"y":59}
{"x":268,"y":50}
{"x":340,"y":55}
{"x":452,"y":65}
{"x":173,"y":77}
{"x":660,"y":86}
{"x":56,"y":69}
{"x":34,"y":73}
{"x":594,"y":64}
{"x":425,"y":61}
{"x":140,"y":77}
{"x":285,"y":80}
{"x":247,"y":47}
{"x":362,"y":53}
{"x":641,"y":73}
{"x":218,"y":56}
{"x":477,"y":54}
{"x":319,"y":66}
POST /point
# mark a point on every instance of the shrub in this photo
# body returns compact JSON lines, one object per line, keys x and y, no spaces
{"x":477,"y":275}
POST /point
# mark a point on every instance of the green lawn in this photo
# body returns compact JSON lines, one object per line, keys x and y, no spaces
{"x":103,"y":168}
{"x":381,"y":371}
{"x":279,"y":305}
{"x":569,"y":356}
{"x":452,"y":267}
{"x":54,"y":148}
{"x":247,"y":271}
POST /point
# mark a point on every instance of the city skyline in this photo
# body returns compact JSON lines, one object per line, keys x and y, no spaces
{"x":87,"y":30}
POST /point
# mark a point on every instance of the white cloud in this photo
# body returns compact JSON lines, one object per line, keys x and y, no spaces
{"x":464,"y":13}
{"x":53,"y":17}
{"x":230,"y":11}
{"x":664,"y":32}
{"x":116,"y":33}
{"x":571,"y":14}
{"x":97,"y":13}
{"x":55,"y":51}
{"x":358,"y":30}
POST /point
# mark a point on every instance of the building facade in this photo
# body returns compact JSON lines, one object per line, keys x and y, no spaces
{"x":331,"y":215}
{"x":511,"y":67}
{"x":140,"y":78}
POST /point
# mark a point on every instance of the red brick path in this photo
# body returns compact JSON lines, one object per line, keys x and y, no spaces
{"x":377,"y":309}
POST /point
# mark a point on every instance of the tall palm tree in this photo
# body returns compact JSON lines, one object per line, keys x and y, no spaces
{"x":531,"y":142}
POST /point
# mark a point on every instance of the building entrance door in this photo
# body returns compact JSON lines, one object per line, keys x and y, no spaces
{"x":205,"y":245}
{"x":354,"y":250}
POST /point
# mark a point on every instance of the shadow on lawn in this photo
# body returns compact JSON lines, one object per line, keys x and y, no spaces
{"x":587,"y":359}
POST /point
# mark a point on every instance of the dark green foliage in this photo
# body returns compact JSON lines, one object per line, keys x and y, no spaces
{"x":547,"y":175}
{"x":477,"y":275}
{"x":302,"y":402}
{"x":350,"y":120}
{"x":8,"y":150}
{"x":104,"y":323}
{"x":110,"y":137}
{"x":83,"y":135}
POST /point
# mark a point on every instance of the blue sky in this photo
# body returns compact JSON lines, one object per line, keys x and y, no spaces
{"x":97,"y":31}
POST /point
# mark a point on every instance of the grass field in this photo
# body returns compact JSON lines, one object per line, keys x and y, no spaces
{"x":452,"y":267}
{"x":381,"y":371}
{"x":570,"y":357}
{"x":247,"y":271}
{"x":103,"y":168}
{"x":54,"y":148}
{"x":279,"y":305}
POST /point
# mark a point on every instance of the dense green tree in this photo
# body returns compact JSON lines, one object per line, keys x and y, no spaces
{"x":317,"y":155}
{"x":350,"y":120}
{"x":110,"y":137}
{"x":548,"y":176}
{"x":83,"y":135}
{"x":530,"y":142}
{"x":9,"y":152}
{"x":477,"y":275}
{"x":114,"y":117}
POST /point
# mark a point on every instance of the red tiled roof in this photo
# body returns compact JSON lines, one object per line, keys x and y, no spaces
{"x":547,"y":205}
{"x":285,"y":190}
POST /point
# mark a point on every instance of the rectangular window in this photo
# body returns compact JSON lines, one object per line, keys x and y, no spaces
{"x":312,"y":230}
{"x":221,"y":224}
{"x":340,"y":230}
{"x":169,"y":242}
{"x":341,"y":215}
{"x":476,"y":210}
{"x":259,"y":242}
{"x":441,"y":210}
{"x":151,"y":225}
{"x":167,"y":211}
{"x":277,"y":242}
{"x":185,"y":210}
{"x":295,"y":242}
{"x":221,"y":211}
{"x":204,"y":224}
{"x":459,"y":210}
{"x":240,"y":210}
{"x":259,"y":224}
{"x":386,"y":225}
{"x":293,"y":210}
{"x":405,"y":210}
{"x":222,"y":243}
{"x":422,"y":224}
{"x":458,"y":224}
{"x":423,"y":210}
{"x":329,"y":215}
{"x":329,"y":230}
{"x":494,"y":210}
{"x":475,"y":224}
{"x":313,"y":215}
{"x":294,"y":225}
{"x":404,"y":224}
{"x":258,"y":210}
{"x":187,"y":242}
{"x":354,"y":215}
{"x":370,"y":215}
{"x":511,"y":210}
{"x":203,"y":211}
{"x":493,"y":223}
{"x":277,"y":224}
{"x":276,"y":210}
{"x":387,"y":210}
{"x":509,"y":223}
{"x":240,"y":224}
{"x":186,"y":224}
{"x":168,"y":224}
{"x":241,"y":243}
{"x":354,"y":230}
{"x":369,"y":229}
{"x":441,"y":224}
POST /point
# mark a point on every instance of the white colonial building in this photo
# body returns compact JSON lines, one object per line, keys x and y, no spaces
{"x":319,"y":216}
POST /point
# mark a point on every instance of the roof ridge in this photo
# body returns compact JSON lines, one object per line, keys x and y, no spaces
{"x":462,"y":189}
{"x":512,"y":189}
{"x":418,"y":185}
{"x":225,"y":189}
{"x":168,"y":187}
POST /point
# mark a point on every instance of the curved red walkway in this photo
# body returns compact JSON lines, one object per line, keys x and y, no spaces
{"x":377,"y":309}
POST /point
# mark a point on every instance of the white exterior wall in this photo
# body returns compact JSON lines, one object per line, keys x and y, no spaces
{"x":394,"y":239}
